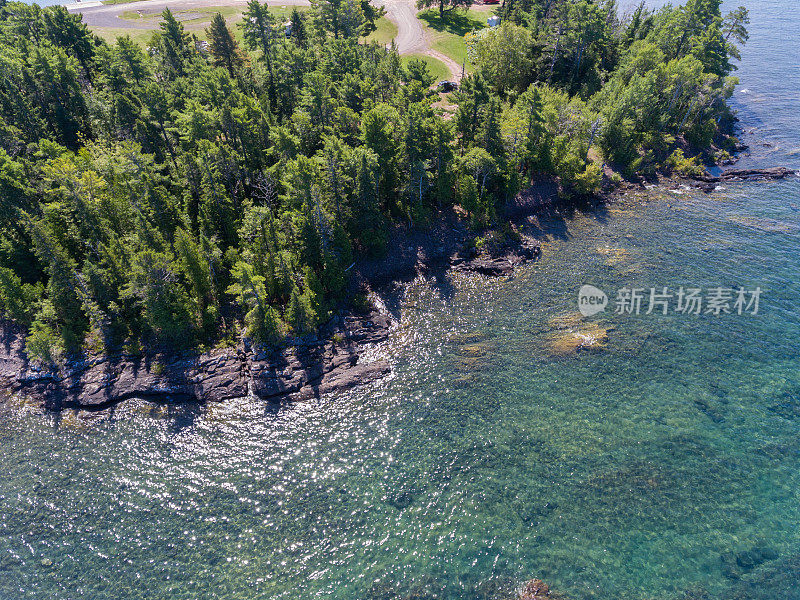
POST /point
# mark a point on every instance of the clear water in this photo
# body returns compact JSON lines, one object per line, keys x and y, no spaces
{"x":484,"y":459}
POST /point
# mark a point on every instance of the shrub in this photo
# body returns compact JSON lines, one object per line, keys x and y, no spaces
{"x":588,"y":181}
{"x":45,"y":343}
{"x":722,"y":157}
{"x":678,"y":163}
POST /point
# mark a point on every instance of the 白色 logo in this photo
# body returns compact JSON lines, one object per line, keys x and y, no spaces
{"x":591,"y":300}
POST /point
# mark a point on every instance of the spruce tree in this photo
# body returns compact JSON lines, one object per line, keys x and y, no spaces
{"x":224,"y":49}
{"x":298,"y":24}
{"x":175,"y":45}
{"x":258,"y":28}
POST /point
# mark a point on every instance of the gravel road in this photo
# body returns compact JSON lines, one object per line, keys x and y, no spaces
{"x":411,"y":36}
{"x":110,"y":15}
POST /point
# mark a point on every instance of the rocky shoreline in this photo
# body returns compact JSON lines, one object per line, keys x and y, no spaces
{"x":307,"y":367}
{"x":304,"y":369}
{"x":301,"y":369}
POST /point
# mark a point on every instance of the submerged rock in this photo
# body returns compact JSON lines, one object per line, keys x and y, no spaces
{"x":710,"y":409}
{"x":536,"y":589}
{"x":468,"y":337}
{"x":503,"y":588}
{"x":776,"y":579}
{"x":788,"y":407}
{"x":474,"y":350}
{"x":764,"y":224}
{"x":575,"y":341}
{"x":401,"y":500}
{"x":736,"y":564}
{"x":614,"y":256}
{"x":570,"y":334}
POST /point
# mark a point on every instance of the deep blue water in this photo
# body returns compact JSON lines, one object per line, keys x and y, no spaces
{"x":664,"y":464}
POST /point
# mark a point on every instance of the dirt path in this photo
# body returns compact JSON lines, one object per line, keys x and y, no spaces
{"x":411,"y":38}
{"x":411,"y":35}
{"x":456,"y":70}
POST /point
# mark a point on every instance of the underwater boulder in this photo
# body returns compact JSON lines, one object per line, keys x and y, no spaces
{"x":535,"y":589}
{"x":587,"y":336}
{"x":736,"y":564}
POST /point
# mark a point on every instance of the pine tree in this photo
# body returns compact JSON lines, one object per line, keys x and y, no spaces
{"x":298,"y":24}
{"x":341,"y":18}
{"x":263,"y":323}
{"x":371,"y":14}
{"x":195,"y":266}
{"x":174,"y":44}
{"x":223,"y":48}
{"x":61,"y":286}
{"x":68,"y":31}
{"x":444,"y":5}
{"x":165,"y":305}
{"x":258,"y":28}
{"x":62,"y":102}
{"x":17,"y":299}
{"x":131,"y":55}
{"x":442,"y":159}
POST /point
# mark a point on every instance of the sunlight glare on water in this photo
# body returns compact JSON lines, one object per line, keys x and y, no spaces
{"x":665,"y":463}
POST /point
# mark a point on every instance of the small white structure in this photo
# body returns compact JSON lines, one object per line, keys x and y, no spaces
{"x":81,"y":4}
{"x":493,"y":21}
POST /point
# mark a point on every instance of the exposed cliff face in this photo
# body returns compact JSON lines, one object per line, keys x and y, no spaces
{"x":302,"y":370}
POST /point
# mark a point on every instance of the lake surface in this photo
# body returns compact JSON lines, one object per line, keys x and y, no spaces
{"x":664,"y":464}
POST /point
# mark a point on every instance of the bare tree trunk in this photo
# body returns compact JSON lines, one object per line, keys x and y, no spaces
{"x":555,"y":54}
{"x":578,"y":62}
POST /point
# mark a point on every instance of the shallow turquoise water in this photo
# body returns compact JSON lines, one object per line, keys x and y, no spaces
{"x":634,"y":472}
{"x":482,"y":459}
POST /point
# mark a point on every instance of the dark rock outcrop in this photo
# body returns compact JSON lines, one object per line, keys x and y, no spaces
{"x":708,"y":183}
{"x":756,"y":174}
{"x":303,"y":369}
{"x":497,"y":265}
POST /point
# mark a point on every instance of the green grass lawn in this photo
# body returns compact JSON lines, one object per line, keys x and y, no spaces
{"x":437,"y":68}
{"x":110,"y":34}
{"x":386,"y":31}
{"x":447,"y":35}
{"x":187,"y":17}
{"x":194,"y":21}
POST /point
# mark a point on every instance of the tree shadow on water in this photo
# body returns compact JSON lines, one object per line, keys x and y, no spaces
{"x":183,"y":416}
{"x":442,"y":284}
{"x":552,"y":221}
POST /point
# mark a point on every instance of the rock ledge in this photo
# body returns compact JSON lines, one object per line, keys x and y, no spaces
{"x":305,"y":369}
